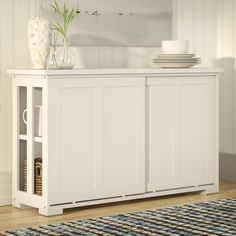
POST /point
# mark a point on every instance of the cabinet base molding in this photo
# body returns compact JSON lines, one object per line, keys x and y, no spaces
{"x":5,"y":188}
{"x":57,"y":208}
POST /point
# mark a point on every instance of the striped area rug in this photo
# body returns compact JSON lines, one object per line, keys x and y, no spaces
{"x":207,"y":218}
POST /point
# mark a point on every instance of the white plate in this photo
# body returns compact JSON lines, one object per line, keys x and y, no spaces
{"x":179,"y":60}
{"x":165,"y":55}
{"x":173,"y":65}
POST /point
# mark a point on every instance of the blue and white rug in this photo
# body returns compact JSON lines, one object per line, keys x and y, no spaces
{"x":207,"y":218}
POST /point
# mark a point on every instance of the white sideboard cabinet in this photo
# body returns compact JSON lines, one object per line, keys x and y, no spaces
{"x":108,"y":135}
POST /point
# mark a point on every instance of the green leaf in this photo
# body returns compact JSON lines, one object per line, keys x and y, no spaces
{"x":56,"y":8}
{"x":67,"y":15}
{"x":59,"y":29}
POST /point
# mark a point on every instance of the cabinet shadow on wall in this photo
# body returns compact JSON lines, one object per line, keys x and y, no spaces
{"x":227,"y":117}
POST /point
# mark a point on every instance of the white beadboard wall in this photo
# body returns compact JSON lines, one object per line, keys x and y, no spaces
{"x":195,"y":20}
{"x":113,"y":57}
{"x":14,"y":15}
{"x":209,"y":25}
{"x":226,"y":54}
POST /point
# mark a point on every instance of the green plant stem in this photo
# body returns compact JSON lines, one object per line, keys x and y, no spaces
{"x":67,"y":17}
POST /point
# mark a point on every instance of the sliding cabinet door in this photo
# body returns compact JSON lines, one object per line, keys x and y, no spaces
{"x":96,"y":138}
{"x":180,"y":145}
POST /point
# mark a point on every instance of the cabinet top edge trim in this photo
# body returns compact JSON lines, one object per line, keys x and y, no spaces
{"x":123,"y":71}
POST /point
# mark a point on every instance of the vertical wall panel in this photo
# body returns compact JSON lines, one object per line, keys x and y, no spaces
{"x":14,"y":15}
{"x":6,"y":15}
{"x":195,"y":21}
{"x":188,"y":23}
{"x":210,"y":32}
{"x":199,"y":32}
{"x":6,"y":61}
{"x":0,"y":80}
{"x":220,"y":25}
{"x":211,"y":28}
{"x":119,"y":59}
{"x":226,"y":59}
{"x":21,"y":17}
{"x":234,"y":78}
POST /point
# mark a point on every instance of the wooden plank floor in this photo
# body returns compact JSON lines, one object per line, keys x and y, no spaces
{"x":11,"y":217}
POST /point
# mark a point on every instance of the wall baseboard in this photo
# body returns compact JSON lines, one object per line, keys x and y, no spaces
{"x":227,"y":167}
{"x":5,"y":188}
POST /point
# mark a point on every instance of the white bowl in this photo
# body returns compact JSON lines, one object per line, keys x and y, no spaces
{"x":175,"y":46}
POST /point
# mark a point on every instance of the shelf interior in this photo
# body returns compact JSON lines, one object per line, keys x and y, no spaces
{"x":37,"y":93}
{"x":22,"y":170}
{"x":38,"y":168}
{"x":27,"y":143}
{"x":36,"y":139}
{"x":22,"y":107}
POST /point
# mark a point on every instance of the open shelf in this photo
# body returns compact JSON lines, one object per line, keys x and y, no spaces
{"x":36,"y":139}
{"x":22,"y":106}
{"x":22,"y":171}
{"x":30,"y":140}
{"x":23,"y":137}
{"x":37,"y":111}
{"x":38,"y":168}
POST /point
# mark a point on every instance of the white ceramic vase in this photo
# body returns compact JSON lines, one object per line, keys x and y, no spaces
{"x":39,"y":39}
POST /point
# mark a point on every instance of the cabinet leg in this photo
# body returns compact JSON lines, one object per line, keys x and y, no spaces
{"x":210,"y":190}
{"x":205,"y":192}
{"x":20,"y":205}
{"x":50,"y":211}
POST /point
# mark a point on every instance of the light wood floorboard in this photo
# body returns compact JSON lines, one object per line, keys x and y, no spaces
{"x":11,"y":217}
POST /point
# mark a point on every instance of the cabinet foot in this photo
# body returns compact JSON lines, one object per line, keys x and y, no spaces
{"x":20,"y":205}
{"x":210,"y":190}
{"x":51,"y":211}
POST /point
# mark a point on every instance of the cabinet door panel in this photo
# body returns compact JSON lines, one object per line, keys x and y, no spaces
{"x":195,"y":133}
{"x":96,"y":138}
{"x":78,"y":140}
{"x":120,"y":133}
{"x":72,"y":138}
{"x":180,"y":132}
{"x":162,"y":129}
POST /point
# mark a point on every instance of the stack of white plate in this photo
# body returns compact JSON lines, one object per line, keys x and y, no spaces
{"x":166,"y":60}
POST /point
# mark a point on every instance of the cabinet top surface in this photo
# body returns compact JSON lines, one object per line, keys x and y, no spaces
{"x":116,"y":71}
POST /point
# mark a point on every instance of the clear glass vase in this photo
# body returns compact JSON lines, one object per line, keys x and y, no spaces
{"x":52,"y":60}
{"x":65,"y":56}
